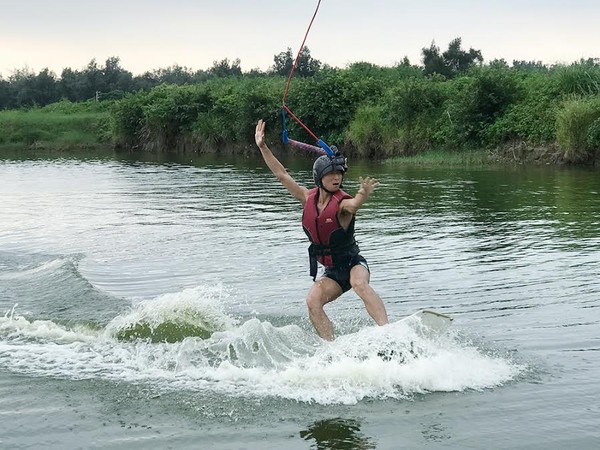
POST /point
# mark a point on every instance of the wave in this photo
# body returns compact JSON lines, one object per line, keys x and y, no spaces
{"x":186,"y":341}
{"x":52,"y":287}
{"x":173,"y":317}
{"x":27,"y":272}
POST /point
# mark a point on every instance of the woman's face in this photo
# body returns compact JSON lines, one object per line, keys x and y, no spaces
{"x":332,"y":181}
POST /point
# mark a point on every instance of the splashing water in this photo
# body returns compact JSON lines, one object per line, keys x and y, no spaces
{"x":187,"y":341}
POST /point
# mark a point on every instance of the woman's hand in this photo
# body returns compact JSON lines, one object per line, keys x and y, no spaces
{"x":367,"y":185}
{"x":259,"y":133}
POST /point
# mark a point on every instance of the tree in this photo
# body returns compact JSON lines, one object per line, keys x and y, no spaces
{"x":115,"y":77}
{"x":306,"y":66}
{"x":44,"y":88}
{"x":459,"y":60}
{"x":283,"y":63}
{"x":175,"y":74}
{"x":70,"y":84}
{"x":5,"y":94}
{"x":92,"y":81}
{"x":21,"y":82}
{"x":452,"y":62}
{"x":224,"y":68}
{"x":433,"y":61}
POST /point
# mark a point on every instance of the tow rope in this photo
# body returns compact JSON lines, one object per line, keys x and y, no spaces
{"x":322,"y":148}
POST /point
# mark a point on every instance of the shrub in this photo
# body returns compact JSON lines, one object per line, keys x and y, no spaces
{"x":578,"y":79}
{"x":532,"y":118}
{"x":328,"y":102}
{"x":366,"y":134}
{"x":577,"y":128}
{"x":411,"y":112}
{"x":476,"y":101}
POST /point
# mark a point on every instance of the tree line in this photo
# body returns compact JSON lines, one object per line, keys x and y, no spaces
{"x":110,"y":81}
{"x":452,"y":101}
{"x":528,"y":110}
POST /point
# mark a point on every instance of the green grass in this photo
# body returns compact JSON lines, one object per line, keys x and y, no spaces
{"x":55,"y":127}
{"x":438,"y":158}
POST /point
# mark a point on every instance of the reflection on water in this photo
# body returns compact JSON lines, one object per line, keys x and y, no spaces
{"x":337,"y":433}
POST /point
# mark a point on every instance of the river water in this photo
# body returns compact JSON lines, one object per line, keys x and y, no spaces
{"x":160,"y":304}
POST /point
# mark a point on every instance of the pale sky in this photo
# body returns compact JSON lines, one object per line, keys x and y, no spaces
{"x":153,"y":34}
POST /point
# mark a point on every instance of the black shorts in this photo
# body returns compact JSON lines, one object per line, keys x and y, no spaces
{"x":341,"y":274}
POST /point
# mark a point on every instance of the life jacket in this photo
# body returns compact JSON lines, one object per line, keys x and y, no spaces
{"x":331,"y":245}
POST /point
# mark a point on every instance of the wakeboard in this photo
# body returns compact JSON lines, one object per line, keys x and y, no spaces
{"x":433,"y":321}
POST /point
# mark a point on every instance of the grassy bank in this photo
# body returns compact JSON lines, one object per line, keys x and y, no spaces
{"x":448,"y":158}
{"x":60,"y":126}
{"x":550,"y":115}
{"x":489,"y":114}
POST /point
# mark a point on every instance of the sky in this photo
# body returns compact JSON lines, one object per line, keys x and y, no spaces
{"x":153,"y":34}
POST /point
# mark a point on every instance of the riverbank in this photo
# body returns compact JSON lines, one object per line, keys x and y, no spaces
{"x":85,"y":130}
{"x":62,"y":126}
{"x":511,"y":154}
{"x":536,"y":115}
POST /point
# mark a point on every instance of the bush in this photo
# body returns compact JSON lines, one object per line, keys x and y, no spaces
{"x":578,"y":79}
{"x":328,"y":102}
{"x":577,"y":128}
{"x":413,"y":110}
{"x":532,"y":118}
{"x":593,"y":137}
{"x":366,"y":135}
{"x":476,"y":101}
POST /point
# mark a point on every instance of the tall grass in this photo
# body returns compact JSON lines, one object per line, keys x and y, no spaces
{"x":578,"y":129}
{"x":61,"y":125}
{"x":445,"y":158}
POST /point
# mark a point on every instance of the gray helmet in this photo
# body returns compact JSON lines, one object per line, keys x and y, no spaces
{"x":325,"y":164}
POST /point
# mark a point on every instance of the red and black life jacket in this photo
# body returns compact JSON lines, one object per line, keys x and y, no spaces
{"x":331,"y":245}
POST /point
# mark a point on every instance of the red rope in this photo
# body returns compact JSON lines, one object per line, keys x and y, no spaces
{"x":300,"y":122}
{"x":287,"y":87}
{"x":289,"y":80}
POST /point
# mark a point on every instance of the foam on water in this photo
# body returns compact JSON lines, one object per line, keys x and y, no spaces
{"x":171,"y":317}
{"x":50,"y":266}
{"x":250,"y":358}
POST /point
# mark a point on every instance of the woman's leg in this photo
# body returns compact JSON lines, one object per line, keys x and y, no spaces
{"x":323,"y":291}
{"x":359,"y":280}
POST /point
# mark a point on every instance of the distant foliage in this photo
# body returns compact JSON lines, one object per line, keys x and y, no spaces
{"x":60,"y":125}
{"x":452,"y":62}
{"x":376,"y":112}
{"x":100,"y":82}
{"x":453,"y":101}
{"x":205,"y":115}
{"x":306,"y":66}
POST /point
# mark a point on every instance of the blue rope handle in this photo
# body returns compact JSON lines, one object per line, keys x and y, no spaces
{"x":286,"y":140}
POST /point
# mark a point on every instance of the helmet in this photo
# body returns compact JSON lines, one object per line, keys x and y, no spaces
{"x":325,"y":164}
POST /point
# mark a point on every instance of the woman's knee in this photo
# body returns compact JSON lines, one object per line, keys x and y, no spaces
{"x":359,"y":278}
{"x":314,"y":302}
{"x":322,"y":292}
{"x":360,"y":285}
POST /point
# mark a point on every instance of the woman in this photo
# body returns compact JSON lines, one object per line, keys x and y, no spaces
{"x":328,"y":220}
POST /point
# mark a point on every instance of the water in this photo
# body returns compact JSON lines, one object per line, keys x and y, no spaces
{"x":160,"y":304}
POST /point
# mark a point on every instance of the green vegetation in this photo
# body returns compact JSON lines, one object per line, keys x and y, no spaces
{"x":453,"y":104}
{"x":578,"y":128}
{"x":445,"y":158}
{"x":62,"y":125}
